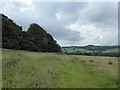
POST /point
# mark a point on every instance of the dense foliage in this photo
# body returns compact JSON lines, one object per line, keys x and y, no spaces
{"x":34,"y":39}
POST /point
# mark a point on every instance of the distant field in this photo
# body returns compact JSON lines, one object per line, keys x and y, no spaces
{"x":0,"y":68}
{"x":81,"y":51}
{"x":25,"y":69}
{"x":85,"y":50}
{"x":74,"y":50}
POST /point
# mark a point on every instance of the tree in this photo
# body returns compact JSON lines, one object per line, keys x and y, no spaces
{"x":11,"y":33}
{"x":34,"y":39}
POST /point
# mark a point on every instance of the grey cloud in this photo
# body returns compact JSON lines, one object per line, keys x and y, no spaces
{"x":61,"y":33}
{"x":43,"y":13}
{"x":103,"y":14}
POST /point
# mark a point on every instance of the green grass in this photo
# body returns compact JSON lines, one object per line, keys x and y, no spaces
{"x":112,"y":50}
{"x":74,"y":50}
{"x":0,"y":68}
{"x":25,"y":69}
{"x":69,"y":50}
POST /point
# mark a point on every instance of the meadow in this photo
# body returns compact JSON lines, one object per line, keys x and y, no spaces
{"x":114,"y":52}
{"x":27,"y":69}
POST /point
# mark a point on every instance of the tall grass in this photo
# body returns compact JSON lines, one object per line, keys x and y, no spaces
{"x":23,"y":69}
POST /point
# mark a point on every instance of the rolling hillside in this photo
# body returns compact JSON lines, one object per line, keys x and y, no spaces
{"x":90,"y":50}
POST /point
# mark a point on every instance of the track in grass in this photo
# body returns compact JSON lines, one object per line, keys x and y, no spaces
{"x":24,"y":69}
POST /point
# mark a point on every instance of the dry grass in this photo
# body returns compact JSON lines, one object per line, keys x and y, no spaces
{"x":101,"y":63}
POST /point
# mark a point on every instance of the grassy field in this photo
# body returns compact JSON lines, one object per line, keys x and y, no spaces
{"x":85,"y":50}
{"x":0,"y":69}
{"x":80,"y":51}
{"x":25,"y":69}
{"x":74,"y":50}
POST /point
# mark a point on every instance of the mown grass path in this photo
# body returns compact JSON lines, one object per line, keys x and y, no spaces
{"x":24,"y":69}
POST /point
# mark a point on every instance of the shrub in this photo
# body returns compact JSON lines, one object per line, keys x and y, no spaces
{"x":110,"y":62}
{"x":91,"y":60}
{"x":83,"y":61}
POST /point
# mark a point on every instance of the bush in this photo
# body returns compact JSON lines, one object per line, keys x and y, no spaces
{"x":83,"y":61}
{"x":110,"y":62}
{"x":91,"y":60}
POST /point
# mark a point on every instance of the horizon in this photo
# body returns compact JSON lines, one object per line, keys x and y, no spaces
{"x":90,"y":45}
{"x":70,"y":23}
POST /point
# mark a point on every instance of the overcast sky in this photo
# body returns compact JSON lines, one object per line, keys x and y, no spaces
{"x":70,"y":23}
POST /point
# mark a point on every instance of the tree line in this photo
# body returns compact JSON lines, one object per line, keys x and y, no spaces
{"x":34,"y":39}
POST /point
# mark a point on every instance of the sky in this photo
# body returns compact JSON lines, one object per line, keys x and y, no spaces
{"x":70,"y":23}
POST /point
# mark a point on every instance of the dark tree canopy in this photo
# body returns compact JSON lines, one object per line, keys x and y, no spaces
{"x":11,"y":33}
{"x":34,"y":39}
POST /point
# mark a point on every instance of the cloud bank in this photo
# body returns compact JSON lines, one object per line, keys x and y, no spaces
{"x":70,"y":23}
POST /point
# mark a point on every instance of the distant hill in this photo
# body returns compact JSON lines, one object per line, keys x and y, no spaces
{"x":91,"y":50}
{"x":34,"y":39}
{"x":93,"y":47}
